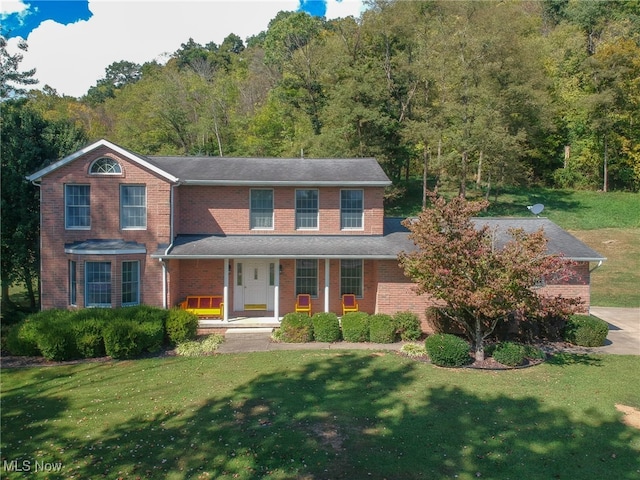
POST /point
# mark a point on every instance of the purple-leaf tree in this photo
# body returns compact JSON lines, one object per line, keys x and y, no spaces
{"x":479,"y":283}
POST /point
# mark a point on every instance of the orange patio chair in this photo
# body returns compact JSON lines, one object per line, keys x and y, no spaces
{"x":349,"y":303}
{"x":303,"y":303}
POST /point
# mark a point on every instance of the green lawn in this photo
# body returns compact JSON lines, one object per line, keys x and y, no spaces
{"x":322,"y":415}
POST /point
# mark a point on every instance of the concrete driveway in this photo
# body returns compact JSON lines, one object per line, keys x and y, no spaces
{"x":624,"y":330}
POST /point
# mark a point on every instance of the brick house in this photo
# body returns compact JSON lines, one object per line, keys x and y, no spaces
{"x":118,"y":228}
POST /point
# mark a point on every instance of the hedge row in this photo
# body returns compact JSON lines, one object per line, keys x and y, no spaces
{"x":119,"y":333}
{"x":353,"y":327}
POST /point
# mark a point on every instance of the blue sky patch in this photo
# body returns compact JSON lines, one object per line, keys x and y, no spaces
{"x":316,"y":8}
{"x":23,"y":23}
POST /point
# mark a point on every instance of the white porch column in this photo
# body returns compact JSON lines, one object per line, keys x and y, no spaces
{"x":276,"y":293}
{"x":225,"y":291}
{"x":326,"y":284}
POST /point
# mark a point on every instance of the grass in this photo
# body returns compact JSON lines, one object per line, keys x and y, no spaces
{"x":317,"y":414}
{"x":616,"y":282}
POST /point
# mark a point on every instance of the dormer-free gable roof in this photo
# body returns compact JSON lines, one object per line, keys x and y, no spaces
{"x":274,"y":171}
{"x":245,"y":171}
{"x":133,"y":157}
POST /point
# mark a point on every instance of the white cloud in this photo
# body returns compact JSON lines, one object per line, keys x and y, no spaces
{"x":11,"y":6}
{"x":72,"y":58}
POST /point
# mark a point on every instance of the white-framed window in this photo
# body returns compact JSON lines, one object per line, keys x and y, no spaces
{"x":77,"y":207}
{"x":133,"y":207}
{"x":97,"y":278}
{"x":130,"y":283}
{"x":261,"y":212}
{"x":351,"y":209}
{"x":73,"y":283}
{"x":307,"y":209}
{"x":105,"y":166}
{"x":307,"y":276}
{"x":351,"y":277}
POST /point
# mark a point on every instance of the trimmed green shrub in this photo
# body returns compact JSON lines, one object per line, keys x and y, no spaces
{"x":181,"y":326}
{"x":296,"y":328}
{"x":382,"y":328}
{"x":326,"y":327}
{"x":586,"y":331}
{"x":122,"y":339}
{"x":88,"y":337}
{"x":534,"y":353}
{"x":509,"y":353}
{"x":355,"y":327}
{"x":57,"y":342}
{"x":407,"y":326}
{"x":151,"y":336}
{"x":22,"y":339}
{"x":447,"y":350}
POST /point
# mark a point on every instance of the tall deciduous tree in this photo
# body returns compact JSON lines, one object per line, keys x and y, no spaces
{"x":28,"y":143}
{"x":480,"y":283}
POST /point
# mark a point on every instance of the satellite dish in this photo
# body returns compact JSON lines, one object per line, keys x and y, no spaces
{"x":536,"y":209}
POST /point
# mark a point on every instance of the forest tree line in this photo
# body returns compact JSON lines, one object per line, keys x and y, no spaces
{"x":481,"y":92}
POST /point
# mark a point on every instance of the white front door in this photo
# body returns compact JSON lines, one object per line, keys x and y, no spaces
{"x":256,"y":285}
{"x":254,"y":282}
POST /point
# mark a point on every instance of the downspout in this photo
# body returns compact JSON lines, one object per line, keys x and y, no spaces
{"x":166,"y":252}
{"x":596,"y":267}
{"x":39,"y":185}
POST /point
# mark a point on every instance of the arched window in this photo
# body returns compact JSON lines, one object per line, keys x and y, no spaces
{"x":105,"y":166}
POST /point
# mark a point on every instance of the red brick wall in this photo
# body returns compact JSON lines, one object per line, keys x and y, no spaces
{"x":395,"y":292}
{"x":216,"y":210}
{"x":105,"y":224}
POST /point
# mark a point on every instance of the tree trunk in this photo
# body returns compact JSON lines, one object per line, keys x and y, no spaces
{"x":479,"y":342}
{"x":463,"y":175}
{"x":605,"y":170}
{"x":28,"y":281}
{"x":424,"y":178}
{"x":479,"y":173}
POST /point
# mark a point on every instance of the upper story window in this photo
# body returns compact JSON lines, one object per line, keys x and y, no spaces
{"x":307,"y":209}
{"x":105,"y":166}
{"x":133,"y":207}
{"x":77,"y":207}
{"x":351,"y":209}
{"x":261,"y":215}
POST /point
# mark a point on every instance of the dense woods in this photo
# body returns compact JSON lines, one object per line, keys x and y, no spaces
{"x":482,"y":94}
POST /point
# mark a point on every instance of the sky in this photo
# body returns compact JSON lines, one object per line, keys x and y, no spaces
{"x":72,"y":42}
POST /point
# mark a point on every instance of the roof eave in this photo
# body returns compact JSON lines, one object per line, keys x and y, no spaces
{"x":286,"y":183}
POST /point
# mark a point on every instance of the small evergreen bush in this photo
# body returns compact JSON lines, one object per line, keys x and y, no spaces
{"x":355,"y":327}
{"x":122,"y":339}
{"x":509,"y":353}
{"x":181,"y":326}
{"x":57,"y":342}
{"x":382,"y":328}
{"x":534,"y":353}
{"x":296,"y":328}
{"x":22,"y":339}
{"x":447,"y":350}
{"x":407,"y":326}
{"x":326,"y":327}
{"x":88,"y":337}
{"x":586,"y":331}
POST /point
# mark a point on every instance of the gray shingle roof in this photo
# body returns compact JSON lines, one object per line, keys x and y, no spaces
{"x":273,"y":171}
{"x":387,"y":246}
